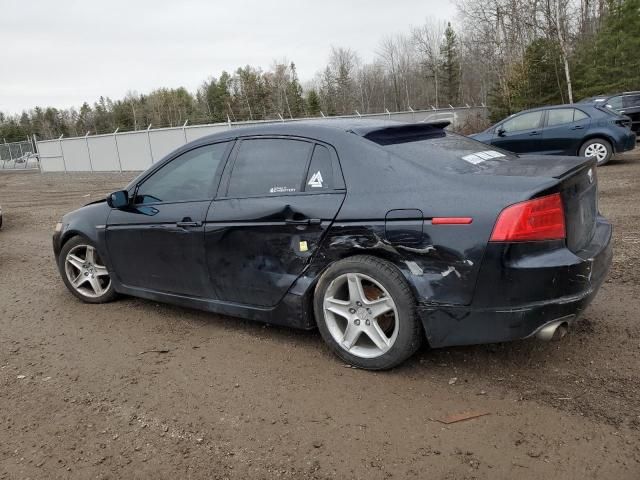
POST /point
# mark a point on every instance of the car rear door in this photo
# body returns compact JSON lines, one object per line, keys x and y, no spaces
{"x":277,"y":198}
{"x":520,"y":134}
{"x":158,"y":242}
{"x":564,"y":130}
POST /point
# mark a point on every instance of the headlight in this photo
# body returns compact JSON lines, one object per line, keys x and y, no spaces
{"x":58,"y":227}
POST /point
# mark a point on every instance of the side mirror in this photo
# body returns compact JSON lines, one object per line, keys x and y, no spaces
{"x":118,"y":199}
{"x":501,"y":131}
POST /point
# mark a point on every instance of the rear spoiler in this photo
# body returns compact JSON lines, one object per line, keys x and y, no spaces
{"x":403,"y":132}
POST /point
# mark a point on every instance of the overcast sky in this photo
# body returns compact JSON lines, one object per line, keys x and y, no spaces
{"x":61,"y":53}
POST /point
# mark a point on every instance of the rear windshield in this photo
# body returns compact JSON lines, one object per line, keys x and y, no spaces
{"x":445,"y":150}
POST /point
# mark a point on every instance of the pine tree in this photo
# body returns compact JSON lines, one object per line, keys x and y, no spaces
{"x":450,"y":67}
{"x":313,"y":103}
{"x":610,"y":61}
{"x":294,"y":93}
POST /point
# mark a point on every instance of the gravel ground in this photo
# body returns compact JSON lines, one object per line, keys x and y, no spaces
{"x":80,"y":398}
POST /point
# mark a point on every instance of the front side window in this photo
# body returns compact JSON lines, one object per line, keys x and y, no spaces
{"x":269,"y":166}
{"x":189,"y":176}
{"x":526,"y":121}
{"x":559,"y":116}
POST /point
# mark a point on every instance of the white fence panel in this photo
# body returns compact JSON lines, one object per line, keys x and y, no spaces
{"x":76,"y":155}
{"x":104,"y":156}
{"x":51,"y":159}
{"x":165,"y":141}
{"x":134,"y":151}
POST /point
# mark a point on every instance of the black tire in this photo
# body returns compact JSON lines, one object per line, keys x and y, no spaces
{"x":595,"y":142}
{"x":77,"y":244}
{"x":409,"y":333}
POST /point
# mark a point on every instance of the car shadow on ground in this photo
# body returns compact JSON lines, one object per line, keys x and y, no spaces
{"x":501,"y":357}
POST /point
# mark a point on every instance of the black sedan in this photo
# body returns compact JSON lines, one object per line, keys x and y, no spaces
{"x":379,"y":234}
{"x":580,"y":129}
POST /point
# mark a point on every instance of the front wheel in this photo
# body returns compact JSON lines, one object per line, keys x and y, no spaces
{"x":598,"y":148}
{"x":366,"y":313}
{"x":83,"y":272}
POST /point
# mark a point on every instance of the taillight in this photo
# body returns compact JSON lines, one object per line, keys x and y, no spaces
{"x":538,"y":219}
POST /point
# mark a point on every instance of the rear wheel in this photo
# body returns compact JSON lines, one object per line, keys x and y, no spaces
{"x":598,"y":148}
{"x":365,"y":312}
{"x":84,"y":273}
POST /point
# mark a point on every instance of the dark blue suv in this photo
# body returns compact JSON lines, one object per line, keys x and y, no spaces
{"x":584,"y":130}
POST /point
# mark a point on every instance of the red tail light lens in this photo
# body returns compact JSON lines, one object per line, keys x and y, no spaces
{"x":537,"y":219}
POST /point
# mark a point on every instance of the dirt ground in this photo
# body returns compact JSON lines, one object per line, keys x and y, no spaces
{"x":80,"y":398}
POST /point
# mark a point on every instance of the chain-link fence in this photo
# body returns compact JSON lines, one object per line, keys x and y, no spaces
{"x":18,"y":155}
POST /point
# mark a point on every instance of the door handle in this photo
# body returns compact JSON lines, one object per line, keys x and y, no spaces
{"x":186,"y":224}
{"x":304,"y":221}
{"x":534,"y":133}
{"x":577,"y":127}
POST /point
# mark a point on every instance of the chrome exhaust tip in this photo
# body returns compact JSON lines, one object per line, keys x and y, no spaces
{"x":554,"y":330}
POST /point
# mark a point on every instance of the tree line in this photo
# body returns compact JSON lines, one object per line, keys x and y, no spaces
{"x":542,"y":52}
{"x":507,"y":54}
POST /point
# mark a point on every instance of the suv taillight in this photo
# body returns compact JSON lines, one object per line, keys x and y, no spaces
{"x":538,"y":219}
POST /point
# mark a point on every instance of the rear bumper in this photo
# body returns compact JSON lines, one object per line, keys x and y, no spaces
{"x":628,"y":142}
{"x":524,"y":295}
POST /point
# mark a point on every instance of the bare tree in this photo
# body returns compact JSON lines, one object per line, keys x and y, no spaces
{"x":427,"y":39}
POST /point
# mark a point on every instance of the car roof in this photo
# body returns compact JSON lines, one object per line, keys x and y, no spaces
{"x":554,"y":107}
{"x":327,"y":129}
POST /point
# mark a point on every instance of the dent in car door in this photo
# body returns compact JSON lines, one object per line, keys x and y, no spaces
{"x":158,"y":242}
{"x":259,"y":243}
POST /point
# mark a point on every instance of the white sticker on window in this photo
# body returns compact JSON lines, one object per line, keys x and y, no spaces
{"x":281,"y":189}
{"x":480,"y":157}
{"x":316,"y":180}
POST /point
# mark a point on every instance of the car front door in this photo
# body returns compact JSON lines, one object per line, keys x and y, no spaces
{"x":520,"y":134}
{"x":564,"y":130}
{"x":277,"y":199}
{"x":157,"y":243}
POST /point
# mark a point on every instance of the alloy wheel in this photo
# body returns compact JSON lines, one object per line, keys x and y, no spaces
{"x":597,"y":150}
{"x":360,"y":315}
{"x":85,"y":273}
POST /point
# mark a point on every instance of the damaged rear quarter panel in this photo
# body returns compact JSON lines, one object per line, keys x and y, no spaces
{"x":441,"y":269}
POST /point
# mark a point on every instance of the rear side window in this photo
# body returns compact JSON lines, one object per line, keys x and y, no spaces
{"x":560,"y":116}
{"x":270,"y":166}
{"x":615,"y":103}
{"x":579,"y":115}
{"x":320,"y":174}
{"x":189,"y":176}
{"x":526,"y":121}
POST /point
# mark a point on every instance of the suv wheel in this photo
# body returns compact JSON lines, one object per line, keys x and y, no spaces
{"x":598,"y":148}
{"x":366,"y":313}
